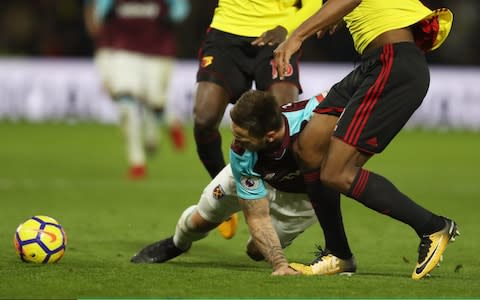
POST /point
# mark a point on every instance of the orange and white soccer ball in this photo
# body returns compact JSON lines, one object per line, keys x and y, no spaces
{"x":40,"y":239}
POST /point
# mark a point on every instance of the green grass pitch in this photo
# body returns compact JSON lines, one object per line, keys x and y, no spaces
{"x":77,"y":174}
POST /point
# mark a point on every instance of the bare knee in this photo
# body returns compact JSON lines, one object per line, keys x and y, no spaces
{"x":330,"y":177}
{"x":211,"y":100}
{"x":205,"y":121}
{"x":339,"y":179}
{"x":207,"y":115}
{"x":313,"y":142}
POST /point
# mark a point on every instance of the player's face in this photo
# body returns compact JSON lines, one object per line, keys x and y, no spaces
{"x":246,"y":141}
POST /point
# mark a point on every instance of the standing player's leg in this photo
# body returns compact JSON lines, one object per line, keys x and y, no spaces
{"x":130,"y":111}
{"x":376,"y":192}
{"x":158,"y":71}
{"x":211,"y":101}
{"x":313,"y":143}
{"x":221,"y":79}
{"x":400,"y":82}
{"x":363,"y":130}
{"x":111,"y":65}
{"x":151,"y":118}
{"x":126,"y":88}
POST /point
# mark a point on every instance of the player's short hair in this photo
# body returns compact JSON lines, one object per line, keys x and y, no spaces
{"x":258,"y":112}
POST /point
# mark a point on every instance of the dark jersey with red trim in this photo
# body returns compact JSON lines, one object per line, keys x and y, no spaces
{"x":277,"y":166}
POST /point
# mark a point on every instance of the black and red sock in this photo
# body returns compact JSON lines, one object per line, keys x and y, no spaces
{"x":326,"y":203}
{"x":209,"y":149}
{"x":378,"y":193}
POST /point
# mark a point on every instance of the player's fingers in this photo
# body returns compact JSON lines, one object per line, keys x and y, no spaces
{"x":285,"y":271}
{"x":278,"y":63}
{"x":269,"y":40}
{"x":284,"y":65}
{"x":320,"y":34}
{"x":260,"y":41}
{"x":281,"y":72}
{"x":256,"y":41}
{"x":333,"y":29}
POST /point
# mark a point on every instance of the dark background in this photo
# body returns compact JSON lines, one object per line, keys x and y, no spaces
{"x":55,"y":28}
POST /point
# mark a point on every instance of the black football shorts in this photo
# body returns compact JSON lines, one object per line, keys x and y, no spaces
{"x":379,"y":96}
{"x":232,"y":62}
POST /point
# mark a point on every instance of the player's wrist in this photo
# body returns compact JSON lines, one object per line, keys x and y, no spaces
{"x":280,"y":266}
{"x":298,"y":37}
{"x":279,"y":263}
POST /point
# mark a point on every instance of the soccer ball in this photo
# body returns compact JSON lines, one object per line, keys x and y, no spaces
{"x":40,"y":239}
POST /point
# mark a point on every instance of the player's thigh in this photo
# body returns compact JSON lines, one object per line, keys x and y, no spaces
{"x":158,"y":73}
{"x":291,"y":214}
{"x":341,"y":165}
{"x":219,"y":199}
{"x":102,"y":61}
{"x":127,"y":73}
{"x":284,"y":92}
{"x":221,"y":59}
{"x":313,"y":142}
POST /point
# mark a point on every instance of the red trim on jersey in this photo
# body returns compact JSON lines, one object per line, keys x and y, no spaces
{"x":237,"y":148}
{"x":319,"y":97}
{"x":328,"y":110}
{"x":364,"y":111}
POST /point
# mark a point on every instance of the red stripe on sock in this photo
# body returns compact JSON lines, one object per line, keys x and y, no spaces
{"x":311,"y":176}
{"x":357,"y":183}
{"x":361,"y":183}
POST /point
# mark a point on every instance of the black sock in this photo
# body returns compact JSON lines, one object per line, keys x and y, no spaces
{"x":209,"y":149}
{"x":379,"y":194}
{"x":326,"y":203}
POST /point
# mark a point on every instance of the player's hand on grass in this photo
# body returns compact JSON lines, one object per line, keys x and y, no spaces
{"x":271,"y":37}
{"x":285,"y":270}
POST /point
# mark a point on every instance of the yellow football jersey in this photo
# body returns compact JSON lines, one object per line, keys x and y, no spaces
{"x":374,"y":17}
{"x":253,"y":17}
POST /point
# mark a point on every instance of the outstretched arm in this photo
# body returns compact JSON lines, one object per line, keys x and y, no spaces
{"x":322,"y":21}
{"x":257,"y":216}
